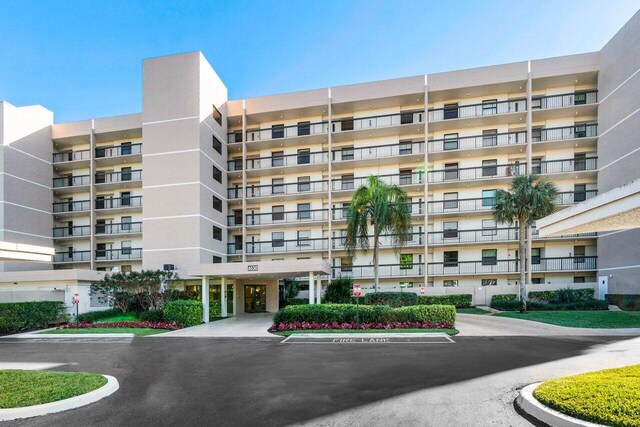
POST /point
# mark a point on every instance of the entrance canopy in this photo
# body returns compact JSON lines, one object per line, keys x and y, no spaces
{"x":617,"y":209}
{"x":261,"y":270}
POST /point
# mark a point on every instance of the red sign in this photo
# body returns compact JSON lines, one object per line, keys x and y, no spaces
{"x":76,"y":298}
{"x":357,"y":290}
{"x":421,"y":291}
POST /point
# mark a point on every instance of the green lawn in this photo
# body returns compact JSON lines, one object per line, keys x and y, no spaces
{"x":27,"y":388}
{"x":119,"y":318}
{"x":365,"y":331}
{"x":580,"y":319}
{"x":610,"y":397}
{"x":471,"y":310}
{"x":139,"y":332}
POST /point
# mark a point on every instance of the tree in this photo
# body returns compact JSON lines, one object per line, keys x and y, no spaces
{"x":291,"y":288}
{"x":339,"y":290}
{"x":142,"y":287}
{"x":384,"y":208}
{"x":529,"y":199}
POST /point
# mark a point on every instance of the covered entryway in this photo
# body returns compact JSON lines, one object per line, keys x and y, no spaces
{"x":252,"y":287}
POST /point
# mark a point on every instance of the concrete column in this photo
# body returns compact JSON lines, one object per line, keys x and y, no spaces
{"x":529,"y":165}
{"x":92,"y":196}
{"x":223,"y":297}
{"x":205,"y":299}
{"x":311,"y":289}
{"x":244,"y":181}
{"x":330,"y":182}
{"x":426,"y":182}
{"x":235,"y":298}
{"x":318,"y":289}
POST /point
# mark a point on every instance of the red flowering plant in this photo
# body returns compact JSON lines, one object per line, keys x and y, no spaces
{"x":130,"y":324}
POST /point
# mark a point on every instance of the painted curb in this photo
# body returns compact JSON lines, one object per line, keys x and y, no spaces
{"x":62,"y":405}
{"x":537,"y":410}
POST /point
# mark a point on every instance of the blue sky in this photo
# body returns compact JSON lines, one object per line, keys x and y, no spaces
{"x":83,"y":59}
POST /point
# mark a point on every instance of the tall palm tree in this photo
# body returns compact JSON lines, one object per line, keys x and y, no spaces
{"x":383,"y":207}
{"x":529,"y":199}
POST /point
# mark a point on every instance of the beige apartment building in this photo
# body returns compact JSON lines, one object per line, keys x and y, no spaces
{"x":262,"y":185}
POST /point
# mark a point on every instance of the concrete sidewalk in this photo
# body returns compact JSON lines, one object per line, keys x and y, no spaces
{"x":240,"y":326}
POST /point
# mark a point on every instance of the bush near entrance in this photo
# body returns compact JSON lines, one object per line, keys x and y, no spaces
{"x":459,"y":301}
{"x":18,"y":316}
{"x":392,"y":299}
{"x":297,"y":301}
{"x":561,"y":299}
{"x":339,"y":290}
{"x":183,"y":312}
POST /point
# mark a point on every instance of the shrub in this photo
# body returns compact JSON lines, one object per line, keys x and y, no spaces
{"x":183,"y":312}
{"x":562,"y":295}
{"x":392,"y":299}
{"x":587,"y":304}
{"x":291,"y":288}
{"x":293,"y":326}
{"x":92,"y":316}
{"x":426,"y":313}
{"x":177,"y":294}
{"x":339,"y":290}
{"x":459,"y":301}
{"x":215,"y":309}
{"x":297,"y":301}
{"x":503,"y":297}
{"x":151,"y":316}
{"x":625,"y":302}
{"x":16,"y":316}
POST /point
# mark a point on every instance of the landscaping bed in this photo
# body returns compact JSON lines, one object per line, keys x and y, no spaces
{"x":610,"y":397}
{"x":26,"y":388}
{"x":580,"y":319}
{"x":138,"y":328}
{"x":450,"y":331}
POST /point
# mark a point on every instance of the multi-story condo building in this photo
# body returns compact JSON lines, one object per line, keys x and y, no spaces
{"x":199,"y":179}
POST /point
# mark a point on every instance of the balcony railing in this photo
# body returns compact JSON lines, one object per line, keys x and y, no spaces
{"x":477,"y":110}
{"x":382,"y":121}
{"x":417,"y":208}
{"x":484,"y":235}
{"x":564,"y":100}
{"x":378,"y":152}
{"x":276,"y":218}
{"x":565,"y":132}
{"x":479,"y":141}
{"x":119,"y":202}
{"x":273,"y":246}
{"x":118,"y":254}
{"x":72,"y":231}
{"x":398,"y":179}
{"x":571,"y":197}
{"x":384,"y":270}
{"x":76,"y":206}
{"x":71,"y":156}
{"x":75,"y":256}
{"x":565,"y":165}
{"x":277,"y":132}
{"x":386,"y":241}
{"x":281,"y":161}
{"x":118,"y":151}
{"x":495,"y":266}
{"x":119,"y":228}
{"x":109,"y":177}
{"x":71,"y":181}
{"x":279,"y":189}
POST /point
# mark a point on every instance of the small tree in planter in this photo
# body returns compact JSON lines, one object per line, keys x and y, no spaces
{"x":291,"y":288}
{"x":339,"y":290}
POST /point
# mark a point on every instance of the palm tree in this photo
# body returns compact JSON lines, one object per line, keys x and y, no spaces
{"x":386,"y":209}
{"x":528,"y":200}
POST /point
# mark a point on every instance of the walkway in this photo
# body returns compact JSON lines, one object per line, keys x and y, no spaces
{"x":241,"y":326}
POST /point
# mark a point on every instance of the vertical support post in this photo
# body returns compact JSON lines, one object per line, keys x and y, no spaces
{"x":330,"y":183}
{"x":223,"y":297}
{"x":244,"y":181}
{"x":235,"y":298}
{"x":426,"y":182}
{"x":529,"y":165}
{"x":318,"y":289}
{"x":92,"y":196}
{"x":311,"y":288}
{"x":205,"y":299}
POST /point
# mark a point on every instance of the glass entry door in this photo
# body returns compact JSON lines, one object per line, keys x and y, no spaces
{"x":255,"y":298}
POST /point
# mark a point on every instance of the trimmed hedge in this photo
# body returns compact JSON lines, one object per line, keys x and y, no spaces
{"x":588,"y":304}
{"x":215,"y":309}
{"x":297,"y":301}
{"x":92,"y":316}
{"x":154,"y":316}
{"x":16,"y":316}
{"x":625,"y":302}
{"x":183,"y":312}
{"x":459,"y":301}
{"x":392,"y":299}
{"x":503,"y":297}
{"x":346,"y":313}
{"x":575,"y":294}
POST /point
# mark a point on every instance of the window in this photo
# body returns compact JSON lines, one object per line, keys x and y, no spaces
{"x":237,"y":243}
{"x":489,"y":256}
{"x":450,"y":229}
{"x":346,"y":153}
{"x":450,"y":111}
{"x":217,"y":233}
{"x":304,"y":156}
{"x":450,"y":258}
{"x":537,"y":280}
{"x":217,"y":204}
{"x":488,"y":197}
{"x":406,"y":176}
{"x":304,"y":237}
{"x":277,"y":239}
{"x":489,"y":227}
{"x":451,"y":200}
{"x":304,"y":128}
{"x":125,"y":247}
{"x":406,"y":261}
{"x":216,"y":259}
{"x":579,"y":193}
{"x":489,"y":107}
{"x":277,"y":159}
{"x":346,"y":264}
{"x":490,"y":137}
{"x":346,"y":182}
{"x":125,"y":198}
{"x":277,"y":185}
{"x":346,"y":207}
{"x":217,"y":115}
{"x":535,"y":255}
{"x":579,"y":252}
{"x":451,"y":171}
{"x":304,"y":183}
{"x":125,"y":149}
{"x":536,"y":165}
{"x":580,"y":98}
{"x":125,"y":174}
{"x":304,"y":210}
{"x":580,"y":161}
{"x":405,"y":148}
{"x":217,"y":174}
{"x":489,"y":167}
{"x":450,"y":283}
{"x":580,"y":131}
{"x":125,"y":223}
{"x":451,"y":141}
{"x":277,"y":131}
{"x":237,"y":217}
{"x":406,"y":118}
{"x":277,"y":213}
{"x":217,"y":144}
{"x":489,"y":282}
{"x":536,"y":134}
{"x":346,"y":124}
{"x":579,"y":279}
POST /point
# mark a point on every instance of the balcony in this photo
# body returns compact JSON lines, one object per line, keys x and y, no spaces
{"x":118,"y":228}
{"x":584,"y":103}
{"x":571,"y":197}
{"x":280,"y":132}
{"x":304,"y":189}
{"x":132,"y":202}
{"x":73,"y":207}
{"x":342,"y":213}
{"x":70,"y":232}
{"x":307,"y":160}
{"x":485,"y":235}
{"x":402,"y":179}
{"x":72,"y":257}
{"x":389,"y":153}
{"x":384,"y":271}
{"x":279,"y":218}
{"x":477,"y":142}
{"x":280,"y":246}
{"x":122,"y":179}
{"x":72,"y":184}
{"x":506,"y":266}
{"x":386,"y":241}
{"x":115,"y":154}
{"x":402,"y":123}
{"x":565,"y":133}
{"x":71,"y":160}
{"x":489,"y":111}
{"x":118,"y":254}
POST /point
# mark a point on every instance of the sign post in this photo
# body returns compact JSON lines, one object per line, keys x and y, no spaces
{"x":76,"y":302}
{"x":357,"y":292}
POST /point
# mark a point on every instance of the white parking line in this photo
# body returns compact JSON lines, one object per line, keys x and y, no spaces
{"x":369,"y":338}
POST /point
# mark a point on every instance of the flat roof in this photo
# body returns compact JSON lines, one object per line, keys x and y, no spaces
{"x":261,"y":269}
